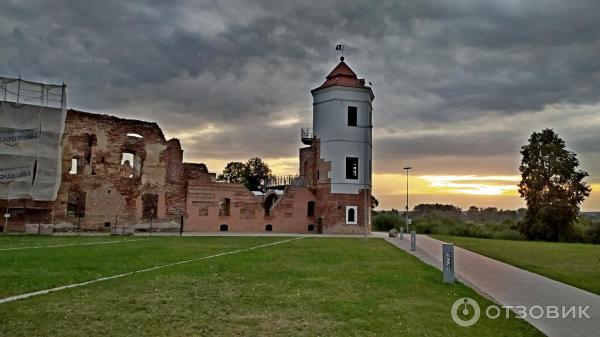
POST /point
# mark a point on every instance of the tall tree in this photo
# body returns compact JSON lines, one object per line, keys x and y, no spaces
{"x":253,"y":174}
{"x":256,"y":174}
{"x":233,"y":173}
{"x":552,"y":186}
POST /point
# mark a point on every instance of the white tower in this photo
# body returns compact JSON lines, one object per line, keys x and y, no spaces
{"x":342,"y":124}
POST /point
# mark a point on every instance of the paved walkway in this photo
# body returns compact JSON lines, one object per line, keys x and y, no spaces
{"x":511,"y":286}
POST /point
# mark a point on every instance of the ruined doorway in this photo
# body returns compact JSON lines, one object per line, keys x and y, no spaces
{"x":150,"y":206}
{"x":269,"y":202}
{"x":76,"y":204}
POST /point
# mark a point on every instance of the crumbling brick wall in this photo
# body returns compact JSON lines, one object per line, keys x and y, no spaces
{"x":211,"y":204}
{"x":176,"y":184}
{"x":113,"y":191}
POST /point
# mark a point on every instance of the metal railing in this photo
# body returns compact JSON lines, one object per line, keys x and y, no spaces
{"x":306,"y":135}
{"x":282,"y":181}
{"x":17,"y":90}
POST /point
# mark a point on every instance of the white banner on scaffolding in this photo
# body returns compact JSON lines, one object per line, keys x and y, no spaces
{"x":30,"y":151}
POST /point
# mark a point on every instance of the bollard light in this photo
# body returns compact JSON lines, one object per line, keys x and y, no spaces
{"x":413,"y":241}
{"x":448,"y":262}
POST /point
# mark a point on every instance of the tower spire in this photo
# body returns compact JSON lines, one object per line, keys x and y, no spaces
{"x":340,"y":48}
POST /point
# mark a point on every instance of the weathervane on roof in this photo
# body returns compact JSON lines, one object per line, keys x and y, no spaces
{"x":340,"y":47}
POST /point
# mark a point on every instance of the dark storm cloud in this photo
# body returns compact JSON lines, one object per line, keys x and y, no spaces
{"x":241,"y":66}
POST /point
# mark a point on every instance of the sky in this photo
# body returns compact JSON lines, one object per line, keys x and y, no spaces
{"x":459,"y":85}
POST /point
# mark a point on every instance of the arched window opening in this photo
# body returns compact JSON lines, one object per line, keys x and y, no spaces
{"x":269,"y":202}
{"x":351,"y":214}
{"x":223,"y":228}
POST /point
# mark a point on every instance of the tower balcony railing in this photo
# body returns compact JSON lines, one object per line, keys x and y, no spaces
{"x":306,"y":135}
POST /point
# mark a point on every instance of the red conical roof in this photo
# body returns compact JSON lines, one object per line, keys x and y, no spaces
{"x":342,"y":75}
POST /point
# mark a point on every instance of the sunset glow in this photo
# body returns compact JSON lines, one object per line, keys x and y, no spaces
{"x":472,"y":184}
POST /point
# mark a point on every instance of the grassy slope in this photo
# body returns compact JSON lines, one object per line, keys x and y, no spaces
{"x":572,"y":263}
{"x":308,"y":287}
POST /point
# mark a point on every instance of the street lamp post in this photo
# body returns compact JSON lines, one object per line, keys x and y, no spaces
{"x":406,"y":215}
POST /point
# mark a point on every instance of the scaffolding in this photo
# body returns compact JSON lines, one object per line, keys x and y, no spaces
{"x":32,"y":118}
{"x":17,"y":90}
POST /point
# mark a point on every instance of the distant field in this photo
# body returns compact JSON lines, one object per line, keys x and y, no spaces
{"x":305,"y":287}
{"x":572,"y":263}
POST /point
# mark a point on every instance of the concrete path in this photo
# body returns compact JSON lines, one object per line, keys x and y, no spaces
{"x":511,"y":286}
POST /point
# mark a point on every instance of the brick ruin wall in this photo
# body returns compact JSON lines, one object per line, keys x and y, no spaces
{"x":101,"y":191}
{"x":211,"y":204}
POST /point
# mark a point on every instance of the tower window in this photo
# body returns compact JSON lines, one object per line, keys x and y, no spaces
{"x":352,"y":116}
{"x":351,"y":168}
{"x":351,"y":214}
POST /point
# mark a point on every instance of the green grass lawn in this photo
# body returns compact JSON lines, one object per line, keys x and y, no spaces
{"x":572,"y":263}
{"x":306,"y":287}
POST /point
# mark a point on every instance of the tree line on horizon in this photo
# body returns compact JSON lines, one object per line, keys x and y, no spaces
{"x":551,"y":184}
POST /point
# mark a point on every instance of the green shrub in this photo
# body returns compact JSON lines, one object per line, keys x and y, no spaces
{"x":584,"y":230}
{"x":593,"y":233}
{"x":451,"y":225}
{"x":386,"y":220}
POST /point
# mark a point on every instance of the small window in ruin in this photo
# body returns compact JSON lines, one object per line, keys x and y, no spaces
{"x":310,"y":209}
{"x":128,"y":165}
{"x":311,"y":228}
{"x":224,"y":207}
{"x":135,"y":135}
{"x":269,"y":228}
{"x":223,"y":228}
{"x":74,"y":164}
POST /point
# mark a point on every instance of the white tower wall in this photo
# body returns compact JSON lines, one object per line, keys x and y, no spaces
{"x":338,"y":140}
